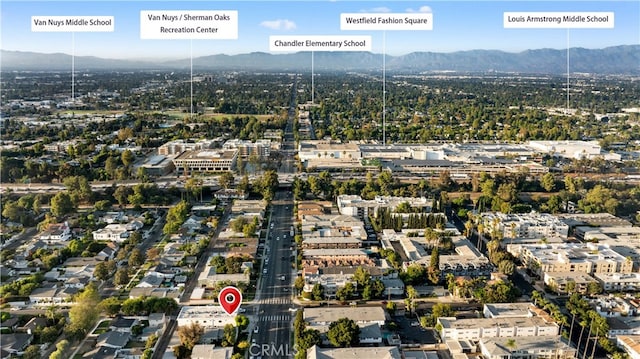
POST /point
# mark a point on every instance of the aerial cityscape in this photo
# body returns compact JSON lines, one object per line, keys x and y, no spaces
{"x":320,"y":180}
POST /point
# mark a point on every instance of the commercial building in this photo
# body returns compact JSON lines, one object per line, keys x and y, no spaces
{"x":329,"y":153}
{"x":568,"y":149}
{"x":158,"y":165}
{"x":360,"y":315}
{"x":209,"y":316}
{"x":203,"y":161}
{"x":316,"y":352}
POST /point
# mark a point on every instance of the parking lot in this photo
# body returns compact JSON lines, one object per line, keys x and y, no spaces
{"x":414,"y":334}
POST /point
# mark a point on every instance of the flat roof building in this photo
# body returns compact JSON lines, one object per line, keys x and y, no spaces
{"x":360,"y":315}
{"x":209,"y":316}
{"x":316,"y":352}
{"x":475,"y":329}
{"x":589,"y":258}
{"x":203,"y":161}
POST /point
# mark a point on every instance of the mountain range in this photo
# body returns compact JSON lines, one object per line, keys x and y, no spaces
{"x":624,"y":60}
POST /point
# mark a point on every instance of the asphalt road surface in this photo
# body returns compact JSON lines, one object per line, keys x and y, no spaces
{"x":271,"y":333}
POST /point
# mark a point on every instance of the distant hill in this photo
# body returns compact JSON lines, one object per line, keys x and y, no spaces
{"x":623,"y":59}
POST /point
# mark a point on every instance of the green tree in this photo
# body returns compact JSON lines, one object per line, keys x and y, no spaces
{"x":147,"y":354}
{"x":190,"y":334}
{"x":101,"y":271}
{"x":237,"y":225}
{"x":84,"y":313}
{"x":61,"y":347}
{"x":242,"y":322}
{"x":362,"y":277}
{"x":127,"y":158}
{"x":121,"y":277}
{"x":343,"y":333}
{"x":121,"y":195}
{"x":309,"y":338}
{"x":61,"y":204}
{"x":12,"y":211}
{"x":32,"y":352}
{"x":110,"y":306}
{"x":415,"y":274}
{"x":181,"y":352}
{"x":346,"y":292}
{"x":506,"y":267}
{"x":176,"y":217}
{"x":49,"y":334}
{"x":298,"y":324}
{"x":298,"y":284}
{"x":317,"y":292}
{"x":229,"y":335}
{"x":391,"y":307}
{"x":548,"y":182}
{"x":442,"y":310}
{"x":226,"y":179}
{"x":103,"y":205}
{"x":136,"y":258}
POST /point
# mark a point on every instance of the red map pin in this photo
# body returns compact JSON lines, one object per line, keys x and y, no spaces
{"x":230,"y":299}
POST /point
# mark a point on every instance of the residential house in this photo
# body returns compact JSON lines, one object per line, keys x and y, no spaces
{"x":15,"y":343}
{"x":45,"y":296}
{"x":33,"y":324}
{"x":113,"y":339}
{"x":10,"y":324}
{"x":58,"y":232}
{"x":122,"y":324}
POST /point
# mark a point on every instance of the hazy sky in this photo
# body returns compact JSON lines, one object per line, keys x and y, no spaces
{"x":457,"y":25}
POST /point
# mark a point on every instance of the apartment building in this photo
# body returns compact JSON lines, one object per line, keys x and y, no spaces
{"x":589,"y":258}
{"x":524,"y":226}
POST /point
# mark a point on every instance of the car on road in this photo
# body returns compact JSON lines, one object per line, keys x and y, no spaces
{"x":264,"y":271}
{"x":256,"y":329}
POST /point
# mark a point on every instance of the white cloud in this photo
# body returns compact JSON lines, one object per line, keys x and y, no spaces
{"x":280,"y":24}
{"x":377,"y":9}
{"x":423,"y":9}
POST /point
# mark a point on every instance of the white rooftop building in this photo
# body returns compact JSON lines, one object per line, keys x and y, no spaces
{"x":354,"y":205}
{"x":209,"y":316}
{"x":589,"y":258}
{"x":532,"y":225}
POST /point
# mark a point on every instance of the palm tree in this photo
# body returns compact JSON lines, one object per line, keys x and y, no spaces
{"x":583,"y":323}
{"x":511,"y":344}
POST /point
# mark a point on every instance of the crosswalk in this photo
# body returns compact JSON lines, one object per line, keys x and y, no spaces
{"x":281,"y":300}
{"x":275,"y":318}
